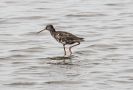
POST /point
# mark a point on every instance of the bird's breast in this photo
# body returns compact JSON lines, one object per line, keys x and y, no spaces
{"x":59,"y":38}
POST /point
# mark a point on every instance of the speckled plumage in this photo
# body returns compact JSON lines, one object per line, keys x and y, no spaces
{"x":66,"y":38}
{"x":63,"y":37}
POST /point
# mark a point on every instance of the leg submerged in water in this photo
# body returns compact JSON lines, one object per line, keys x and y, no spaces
{"x":64,"y":50}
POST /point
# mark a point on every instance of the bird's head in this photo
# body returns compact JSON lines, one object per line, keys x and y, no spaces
{"x":49,"y":27}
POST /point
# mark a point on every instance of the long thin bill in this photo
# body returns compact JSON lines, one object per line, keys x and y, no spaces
{"x":41,"y":30}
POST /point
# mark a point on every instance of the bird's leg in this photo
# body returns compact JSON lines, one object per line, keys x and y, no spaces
{"x":64,"y":49}
{"x":73,"y":46}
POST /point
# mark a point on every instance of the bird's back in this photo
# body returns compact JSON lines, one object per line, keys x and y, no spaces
{"x":66,"y":38}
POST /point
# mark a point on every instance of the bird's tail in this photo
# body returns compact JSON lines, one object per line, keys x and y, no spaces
{"x":81,"y":39}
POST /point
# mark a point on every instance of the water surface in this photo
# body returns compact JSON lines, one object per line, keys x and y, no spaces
{"x":103,"y":62}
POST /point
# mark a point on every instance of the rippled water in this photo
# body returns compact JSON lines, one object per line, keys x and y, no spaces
{"x":103,"y":62}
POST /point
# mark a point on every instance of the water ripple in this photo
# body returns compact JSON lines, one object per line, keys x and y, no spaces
{"x":31,"y":61}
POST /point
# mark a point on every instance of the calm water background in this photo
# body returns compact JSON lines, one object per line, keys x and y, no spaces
{"x":103,"y":62}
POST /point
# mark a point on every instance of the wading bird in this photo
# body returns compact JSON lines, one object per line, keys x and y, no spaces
{"x":64,"y":38}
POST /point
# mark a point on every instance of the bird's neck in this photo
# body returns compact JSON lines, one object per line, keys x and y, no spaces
{"x":52,"y":31}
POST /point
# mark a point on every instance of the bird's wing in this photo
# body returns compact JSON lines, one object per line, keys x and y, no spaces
{"x":66,"y":35}
{"x":67,"y":38}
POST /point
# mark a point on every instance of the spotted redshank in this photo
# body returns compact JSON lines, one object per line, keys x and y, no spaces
{"x":64,"y":38}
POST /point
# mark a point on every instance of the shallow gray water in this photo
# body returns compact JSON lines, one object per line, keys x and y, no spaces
{"x":103,"y":62}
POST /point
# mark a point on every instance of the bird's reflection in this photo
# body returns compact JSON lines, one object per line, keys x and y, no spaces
{"x":60,"y":60}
